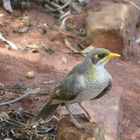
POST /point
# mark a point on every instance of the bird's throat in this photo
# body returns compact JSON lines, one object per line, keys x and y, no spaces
{"x":94,"y":71}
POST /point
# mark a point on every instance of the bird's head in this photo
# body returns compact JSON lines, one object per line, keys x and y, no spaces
{"x":100,"y":56}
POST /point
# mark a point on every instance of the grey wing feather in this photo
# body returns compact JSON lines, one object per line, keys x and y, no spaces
{"x":69,"y":88}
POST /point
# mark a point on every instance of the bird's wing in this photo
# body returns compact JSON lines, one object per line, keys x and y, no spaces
{"x":71,"y":86}
{"x":106,"y":90}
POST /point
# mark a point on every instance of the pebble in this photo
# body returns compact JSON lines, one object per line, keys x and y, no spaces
{"x":64,"y":60}
{"x":30,"y":74}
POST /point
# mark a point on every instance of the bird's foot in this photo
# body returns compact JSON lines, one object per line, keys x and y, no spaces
{"x":89,"y":118}
{"x":93,"y":122}
{"x":78,"y":125}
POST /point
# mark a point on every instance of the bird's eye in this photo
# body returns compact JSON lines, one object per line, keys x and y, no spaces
{"x":97,"y":56}
{"x":101,"y":55}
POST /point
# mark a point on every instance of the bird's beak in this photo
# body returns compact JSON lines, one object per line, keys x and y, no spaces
{"x":109,"y":56}
{"x":113,"y":55}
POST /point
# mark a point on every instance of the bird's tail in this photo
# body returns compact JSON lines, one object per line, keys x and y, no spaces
{"x":46,"y":112}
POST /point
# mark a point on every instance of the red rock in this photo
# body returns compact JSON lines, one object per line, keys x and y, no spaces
{"x":113,"y":26}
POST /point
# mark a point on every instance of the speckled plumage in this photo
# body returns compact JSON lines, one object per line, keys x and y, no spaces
{"x":87,"y":80}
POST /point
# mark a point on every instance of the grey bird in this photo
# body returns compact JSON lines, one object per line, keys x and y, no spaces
{"x":86,"y":81}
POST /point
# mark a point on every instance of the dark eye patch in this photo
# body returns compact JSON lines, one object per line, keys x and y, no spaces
{"x":101,"y":55}
{"x":98,"y":57}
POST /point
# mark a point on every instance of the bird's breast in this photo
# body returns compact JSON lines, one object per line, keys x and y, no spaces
{"x":94,"y":85}
{"x":99,"y":78}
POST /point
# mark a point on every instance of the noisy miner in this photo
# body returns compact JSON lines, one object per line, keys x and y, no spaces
{"x":88,"y":80}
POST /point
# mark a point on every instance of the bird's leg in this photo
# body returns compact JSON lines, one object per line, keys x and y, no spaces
{"x":87,"y":115}
{"x":74,"y":121}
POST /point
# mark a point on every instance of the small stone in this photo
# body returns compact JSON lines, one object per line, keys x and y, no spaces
{"x":64,"y":60}
{"x":30,"y":75}
{"x":1,"y":15}
{"x":35,"y":51}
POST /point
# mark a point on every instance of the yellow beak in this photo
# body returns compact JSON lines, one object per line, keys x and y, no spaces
{"x":110,"y":55}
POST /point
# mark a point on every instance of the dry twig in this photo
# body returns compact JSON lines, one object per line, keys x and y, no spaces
{"x":82,"y":52}
{"x":11,"y":44}
{"x":63,"y":24}
{"x":132,"y":3}
{"x":27,"y":93}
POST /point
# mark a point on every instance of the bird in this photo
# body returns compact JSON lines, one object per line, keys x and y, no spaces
{"x":88,"y":80}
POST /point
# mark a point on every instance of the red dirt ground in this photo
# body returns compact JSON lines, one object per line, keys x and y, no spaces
{"x":15,"y":65}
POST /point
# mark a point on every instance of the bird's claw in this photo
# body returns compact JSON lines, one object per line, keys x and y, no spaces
{"x":89,"y":119}
{"x":79,"y":126}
